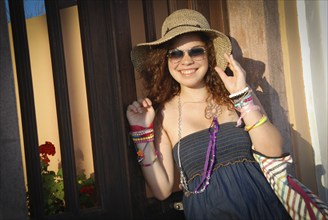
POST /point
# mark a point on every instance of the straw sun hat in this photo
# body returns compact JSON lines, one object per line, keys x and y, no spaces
{"x":181,"y":22}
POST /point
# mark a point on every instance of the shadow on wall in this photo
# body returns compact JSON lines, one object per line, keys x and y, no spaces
{"x":269,"y":98}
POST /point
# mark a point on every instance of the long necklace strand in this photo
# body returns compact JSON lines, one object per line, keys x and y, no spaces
{"x":210,"y":156}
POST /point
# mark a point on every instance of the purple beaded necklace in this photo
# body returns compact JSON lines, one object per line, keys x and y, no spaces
{"x":210,"y":154}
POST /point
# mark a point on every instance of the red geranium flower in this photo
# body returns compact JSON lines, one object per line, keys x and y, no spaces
{"x":46,"y":149}
{"x":88,"y":189}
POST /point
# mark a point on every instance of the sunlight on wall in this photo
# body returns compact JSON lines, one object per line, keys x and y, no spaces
{"x":43,"y":85}
{"x":77,"y":89}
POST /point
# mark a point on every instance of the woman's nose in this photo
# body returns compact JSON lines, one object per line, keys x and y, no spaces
{"x":186,"y":59}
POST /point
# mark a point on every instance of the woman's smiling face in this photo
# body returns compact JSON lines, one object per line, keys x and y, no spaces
{"x":190,"y":69}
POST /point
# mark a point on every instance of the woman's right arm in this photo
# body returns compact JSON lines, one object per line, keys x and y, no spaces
{"x":158,"y":173}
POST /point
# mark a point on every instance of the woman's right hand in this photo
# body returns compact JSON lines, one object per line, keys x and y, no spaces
{"x":141,"y":113}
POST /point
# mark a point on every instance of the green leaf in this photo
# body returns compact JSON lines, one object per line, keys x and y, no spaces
{"x":60,"y":172}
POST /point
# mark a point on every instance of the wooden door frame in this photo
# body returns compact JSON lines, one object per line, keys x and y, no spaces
{"x":110,"y":85}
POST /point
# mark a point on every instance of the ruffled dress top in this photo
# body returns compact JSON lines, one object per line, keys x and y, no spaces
{"x":237,"y":188}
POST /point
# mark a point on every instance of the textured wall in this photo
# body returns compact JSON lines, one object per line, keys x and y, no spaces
{"x":257,"y":44}
{"x":254,"y":28}
{"x":12,"y":189}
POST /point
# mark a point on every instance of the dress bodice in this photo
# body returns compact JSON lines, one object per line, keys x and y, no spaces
{"x":232,"y":145}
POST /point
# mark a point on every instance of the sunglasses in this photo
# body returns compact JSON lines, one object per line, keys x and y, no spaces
{"x":195,"y":53}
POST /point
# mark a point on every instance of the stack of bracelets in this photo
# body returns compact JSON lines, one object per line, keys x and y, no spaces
{"x":243,"y":102}
{"x":141,"y":135}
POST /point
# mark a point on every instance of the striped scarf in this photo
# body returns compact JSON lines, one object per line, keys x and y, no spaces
{"x":299,"y":201}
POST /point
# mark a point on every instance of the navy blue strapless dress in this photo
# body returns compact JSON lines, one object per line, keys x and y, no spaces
{"x":237,"y":189}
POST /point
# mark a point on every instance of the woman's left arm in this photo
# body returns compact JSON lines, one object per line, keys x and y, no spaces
{"x":266,"y":138}
{"x":264,"y":135}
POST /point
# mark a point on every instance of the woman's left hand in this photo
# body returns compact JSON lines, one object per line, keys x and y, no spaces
{"x":234,"y":83}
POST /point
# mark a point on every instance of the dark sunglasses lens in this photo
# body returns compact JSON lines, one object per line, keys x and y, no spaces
{"x":175,"y":54}
{"x":196,"y":52}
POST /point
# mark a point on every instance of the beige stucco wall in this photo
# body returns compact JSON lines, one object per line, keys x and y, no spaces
{"x":43,"y":85}
{"x":77,"y":90}
{"x":43,"y":88}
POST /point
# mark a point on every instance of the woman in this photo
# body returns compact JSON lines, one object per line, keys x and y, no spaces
{"x":203,"y":120}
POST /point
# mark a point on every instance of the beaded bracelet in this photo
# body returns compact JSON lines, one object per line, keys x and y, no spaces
{"x":239,"y":94}
{"x":257,"y":124}
{"x":142,"y":136}
{"x":142,"y":132}
{"x":143,"y":139}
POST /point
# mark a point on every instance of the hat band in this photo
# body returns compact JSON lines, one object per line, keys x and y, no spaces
{"x":182,"y":25}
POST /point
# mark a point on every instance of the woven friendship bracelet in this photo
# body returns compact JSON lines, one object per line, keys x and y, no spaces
{"x":245,"y":100}
{"x":142,"y":133}
{"x":136,"y":128}
{"x":244,"y":105}
{"x":245,"y":110}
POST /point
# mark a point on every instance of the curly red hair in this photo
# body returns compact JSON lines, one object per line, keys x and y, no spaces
{"x":161,"y":87}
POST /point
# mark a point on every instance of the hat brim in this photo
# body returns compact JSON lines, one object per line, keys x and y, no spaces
{"x":221,"y":44}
